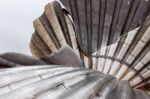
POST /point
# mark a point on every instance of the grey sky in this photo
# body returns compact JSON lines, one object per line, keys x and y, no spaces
{"x":16,"y":17}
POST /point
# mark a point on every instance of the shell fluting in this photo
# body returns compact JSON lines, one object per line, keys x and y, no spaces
{"x":83,"y":49}
{"x":111,"y":39}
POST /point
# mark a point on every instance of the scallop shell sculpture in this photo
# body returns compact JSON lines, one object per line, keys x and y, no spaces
{"x":111,"y":36}
{"x":83,"y":49}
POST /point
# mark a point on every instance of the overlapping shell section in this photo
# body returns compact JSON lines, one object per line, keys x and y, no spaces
{"x":29,"y":78}
{"x":109,"y":36}
{"x":53,"y":30}
{"x":101,"y":22}
{"x":62,"y":82}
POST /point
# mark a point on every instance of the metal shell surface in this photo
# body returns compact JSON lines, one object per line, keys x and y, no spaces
{"x":91,"y":28}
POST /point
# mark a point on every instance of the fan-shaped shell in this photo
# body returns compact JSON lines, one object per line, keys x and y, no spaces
{"x":62,"y":82}
{"x":92,"y":32}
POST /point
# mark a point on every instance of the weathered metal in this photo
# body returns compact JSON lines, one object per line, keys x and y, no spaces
{"x":63,"y":82}
{"x":125,"y":59}
{"x":83,"y":49}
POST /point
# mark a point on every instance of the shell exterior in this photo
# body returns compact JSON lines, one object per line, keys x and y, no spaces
{"x":126,"y":59}
{"x":12,"y":59}
{"x":100,"y":22}
{"x":62,"y":82}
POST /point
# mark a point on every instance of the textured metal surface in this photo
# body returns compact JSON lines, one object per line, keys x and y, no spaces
{"x":67,"y":81}
{"x":99,"y":22}
{"x":75,"y":56}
